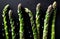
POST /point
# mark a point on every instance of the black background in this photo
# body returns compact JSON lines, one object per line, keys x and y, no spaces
{"x":31,"y":4}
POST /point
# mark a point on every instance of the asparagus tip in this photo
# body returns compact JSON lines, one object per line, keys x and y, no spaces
{"x":38,"y":6}
{"x":10,"y":13}
{"x":54,"y":4}
{"x":27,"y":10}
{"x":49,"y":8}
{"x":19,"y":5}
{"x":6,"y":7}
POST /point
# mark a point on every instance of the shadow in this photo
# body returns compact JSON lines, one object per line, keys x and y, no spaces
{"x":27,"y":25}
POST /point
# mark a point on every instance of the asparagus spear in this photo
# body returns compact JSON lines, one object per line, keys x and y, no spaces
{"x":4,"y":20}
{"x":12,"y":24}
{"x":21,"y":30}
{"x":34,"y":29}
{"x":53,"y":21}
{"x":46,"y":22}
{"x":38,"y":7}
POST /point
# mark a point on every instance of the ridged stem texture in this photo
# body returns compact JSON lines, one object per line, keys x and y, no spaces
{"x":46,"y":22}
{"x":5,"y":21}
{"x":38,"y":14}
{"x":53,"y":21}
{"x":34,"y":29}
{"x":12,"y":24}
{"x":21,"y":21}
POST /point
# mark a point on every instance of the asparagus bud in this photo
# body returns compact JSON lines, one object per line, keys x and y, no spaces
{"x":54,"y":4}
{"x":21,"y":29}
{"x":12,"y":24}
{"x":53,"y":21}
{"x":4,"y":20}
{"x":34,"y":29}
{"x":46,"y":22}
{"x":38,"y":8}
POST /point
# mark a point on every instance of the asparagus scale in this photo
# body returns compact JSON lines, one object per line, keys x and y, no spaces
{"x":46,"y":22}
{"x":21,"y":30}
{"x":5,"y":21}
{"x":34,"y":29}
{"x":53,"y":21}
{"x":38,"y":8}
{"x":12,"y":24}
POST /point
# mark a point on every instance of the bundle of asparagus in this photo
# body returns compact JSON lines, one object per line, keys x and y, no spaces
{"x":46,"y":21}
{"x":21,"y":21}
{"x":34,"y":29}
{"x":53,"y":21}
{"x":12,"y":24}
{"x":5,"y":21}
{"x":38,"y":8}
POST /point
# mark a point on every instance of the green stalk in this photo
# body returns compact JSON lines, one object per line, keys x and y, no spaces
{"x":38,"y":8}
{"x":46,"y":22}
{"x":53,"y":21}
{"x":12,"y":24}
{"x":4,"y":20}
{"x":34,"y":29}
{"x":21,"y":29}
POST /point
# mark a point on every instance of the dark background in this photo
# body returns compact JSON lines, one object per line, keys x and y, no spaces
{"x":31,"y":4}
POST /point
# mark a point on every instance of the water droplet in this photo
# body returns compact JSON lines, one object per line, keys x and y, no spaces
{"x":10,"y":30}
{"x":2,"y":29}
{"x":29,"y":32}
{"x":2,"y":24}
{"x":42,"y":19}
{"x":3,"y":34}
{"x":17,"y":34}
{"x":17,"y":23}
{"x":30,"y":36}
{"x":42,"y":27}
